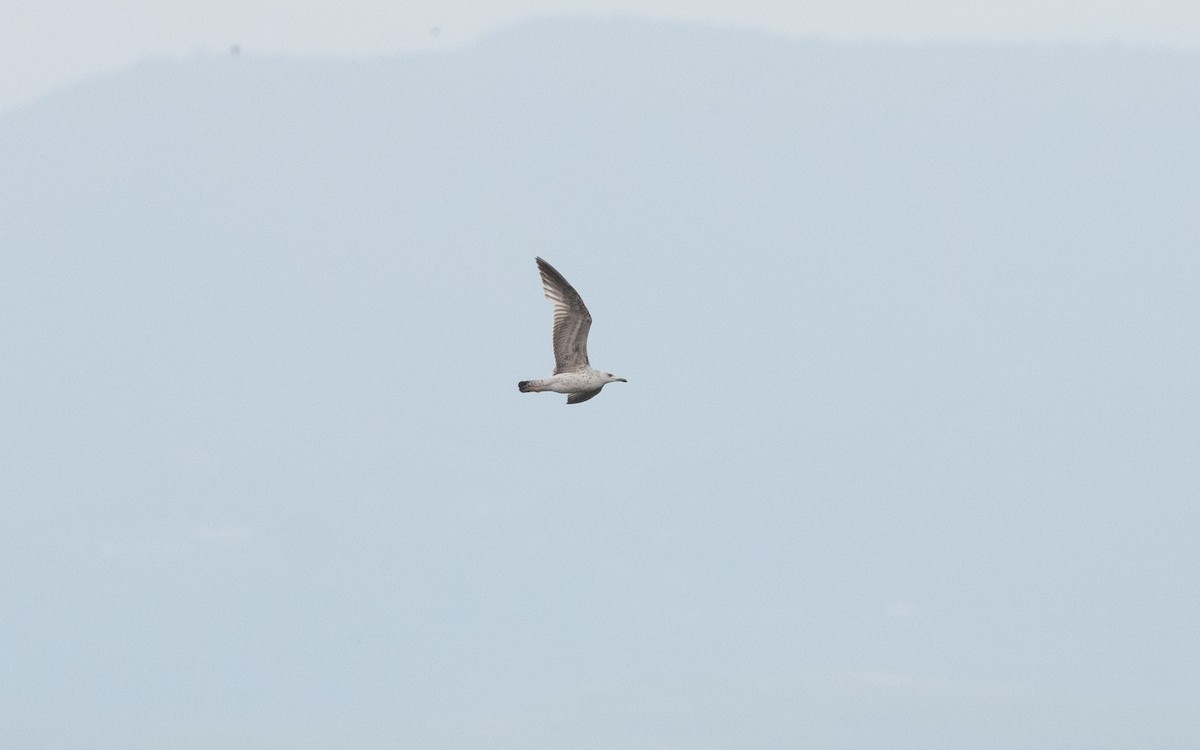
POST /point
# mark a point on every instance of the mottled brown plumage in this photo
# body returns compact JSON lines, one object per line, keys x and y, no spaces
{"x":572,"y":321}
{"x":573,"y":374}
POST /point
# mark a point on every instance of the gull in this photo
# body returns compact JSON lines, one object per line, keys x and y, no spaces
{"x":573,"y":375}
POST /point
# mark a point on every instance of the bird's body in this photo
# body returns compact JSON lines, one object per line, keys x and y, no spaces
{"x":573,"y":374}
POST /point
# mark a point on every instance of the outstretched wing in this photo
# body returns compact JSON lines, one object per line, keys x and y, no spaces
{"x":572,"y":321}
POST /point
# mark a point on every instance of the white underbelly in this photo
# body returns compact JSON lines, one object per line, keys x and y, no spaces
{"x":574,"y":382}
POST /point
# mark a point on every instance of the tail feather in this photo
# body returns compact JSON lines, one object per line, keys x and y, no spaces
{"x":523,"y":386}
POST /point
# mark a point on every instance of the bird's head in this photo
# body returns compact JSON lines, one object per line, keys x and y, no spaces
{"x":610,"y":378}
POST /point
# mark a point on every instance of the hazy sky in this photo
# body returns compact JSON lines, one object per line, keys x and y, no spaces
{"x":906,"y":459}
{"x":48,"y":44}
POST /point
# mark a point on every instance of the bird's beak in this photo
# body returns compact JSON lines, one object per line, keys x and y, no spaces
{"x":622,"y":380}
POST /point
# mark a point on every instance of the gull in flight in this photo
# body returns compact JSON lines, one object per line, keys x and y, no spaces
{"x":573,"y":375}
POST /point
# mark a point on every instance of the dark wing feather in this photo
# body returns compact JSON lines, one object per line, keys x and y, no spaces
{"x":572,"y":321}
{"x":578,"y":398}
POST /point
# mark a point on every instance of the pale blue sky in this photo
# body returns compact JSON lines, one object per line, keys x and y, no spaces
{"x":906,"y":459}
{"x":48,"y":44}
